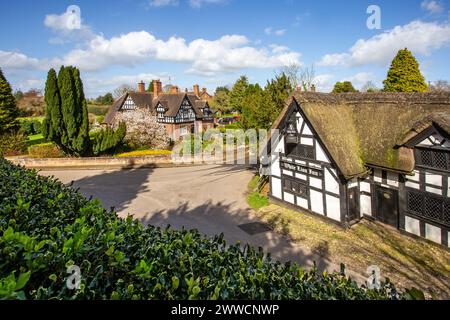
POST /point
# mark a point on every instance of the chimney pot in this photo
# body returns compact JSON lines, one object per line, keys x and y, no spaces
{"x":141,"y":86}
{"x":197,"y":89}
{"x":157,"y":88}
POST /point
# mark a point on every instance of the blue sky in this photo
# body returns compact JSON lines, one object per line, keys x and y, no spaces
{"x":213,"y":42}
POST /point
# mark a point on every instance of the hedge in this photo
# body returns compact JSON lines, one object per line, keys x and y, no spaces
{"x":46,"y":227}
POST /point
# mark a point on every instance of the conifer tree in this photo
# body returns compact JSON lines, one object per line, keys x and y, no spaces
{"x":52,"y":125}
{"x":238,"y":93}
{"x":8,"y":109}
{"x":404,"y":74}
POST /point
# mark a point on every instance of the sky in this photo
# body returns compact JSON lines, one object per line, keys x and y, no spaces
{"x":213,"y":42}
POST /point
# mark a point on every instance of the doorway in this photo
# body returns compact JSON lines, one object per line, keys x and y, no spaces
{"x":386,"y":205}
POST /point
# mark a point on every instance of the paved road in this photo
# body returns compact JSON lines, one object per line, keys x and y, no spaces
{"x":208,"y":198}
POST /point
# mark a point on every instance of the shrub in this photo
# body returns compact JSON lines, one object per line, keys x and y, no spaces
{"x":30,"y":127}
{"x":109,"y":140}
{"x":44,"y":150}
{"x":12,"y":144}
{"x":45,"y":227}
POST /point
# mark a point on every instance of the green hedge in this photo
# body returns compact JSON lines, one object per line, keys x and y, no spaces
{"x":46,"y":227}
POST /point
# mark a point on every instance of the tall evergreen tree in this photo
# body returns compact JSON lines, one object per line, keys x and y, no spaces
{"x":8,"y":109}
{"x":67,"y":122}
{"x":52,"y":125}
{"x":344,"y":87}
{"x":404,"y":74}
{"x":237,"y":93}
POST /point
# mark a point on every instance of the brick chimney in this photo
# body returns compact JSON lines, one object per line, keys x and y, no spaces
{"x":203,"y":90}
{"x":197,"y":89}
{"x":157,"y":88}
{"x":173,"y":89}
{"x":141,"y":86}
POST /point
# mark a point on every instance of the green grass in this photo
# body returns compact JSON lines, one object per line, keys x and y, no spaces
{"x":31,"y":118}
{"x":257,"y":201}
{"x":253,"y":184}
{"x":35,"y":139}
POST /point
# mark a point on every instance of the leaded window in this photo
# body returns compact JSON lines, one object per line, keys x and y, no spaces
{"x":296,"y":187}
{"x":428,"y":206}
{"x":435,"y":159}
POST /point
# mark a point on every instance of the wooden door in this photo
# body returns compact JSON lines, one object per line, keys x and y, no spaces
{"x":353,"y":204}
{"x":386,"y":205}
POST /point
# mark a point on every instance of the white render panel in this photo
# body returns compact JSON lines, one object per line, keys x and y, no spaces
{"x":353,"y":183}
{"x":280,"y":145}
{"x":303,"y":203}
{"x":365,"y":204}
{"x":433,"y":179}
{"x":392,"y":179}
{"x":413,"y":185}
{"x":289,"y":198}
{"x":300,"y":162}
{"x":414,"y":177}
{"x":364,"y":186}
{"x":377,"y":176}
{"x":307,"y":141}
{"x":301,"y":176}
{"x":314,"y":182}
{"x":333,"y":208}
{"x":426,"y":142}
{"x":307,"y":130}
{"x":433,"y":233}
{"x":275,"y":169}
{"x":316,"y":201}
{"x":276,"y":187}
{"x":434,"y":190}
{"x":331,"y":185}
{"x":320,"y":154}
{"x":299,"y":121}
{"x":412,"y":225}
{"x":288,"y":173}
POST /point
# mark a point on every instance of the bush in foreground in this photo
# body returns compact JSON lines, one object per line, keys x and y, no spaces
{"x":46,"y":227}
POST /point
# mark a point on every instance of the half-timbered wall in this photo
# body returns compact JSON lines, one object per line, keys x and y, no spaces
{"x":302,"y":175}
{"x":426,"y":209}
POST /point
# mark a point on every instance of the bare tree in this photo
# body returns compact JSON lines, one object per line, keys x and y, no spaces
{"x":440,"y":86}
{"x":299,"y":77}
{"x":122,"y":89}
{"x":369,"y":86}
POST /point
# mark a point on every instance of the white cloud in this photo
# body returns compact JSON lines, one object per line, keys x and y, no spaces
{"x":200,"y":3}
{"x":68,"y":25}
{"x":419,"y":37}
{"x":323,"y":82}
{"x":17,"y":60}
{"x":432,"y":6}
{"x":270,"y":31}
{"x":207,"y":57}
{"x":163,"y":3}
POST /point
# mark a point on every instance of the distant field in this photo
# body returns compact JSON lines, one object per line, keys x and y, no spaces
{"x":98,"y":110}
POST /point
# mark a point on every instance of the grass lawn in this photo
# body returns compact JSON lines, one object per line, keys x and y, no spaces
{"x":35,"y":139}
{"x":406,"y":261}
{"x":31,"y":118}
{"x":140,"y":153}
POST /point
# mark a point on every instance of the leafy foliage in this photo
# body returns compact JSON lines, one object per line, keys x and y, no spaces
{"x":108,"y":140}
{"x":404,"y":74}
{"x":66,"y":118}
{"x":30,"y":126}
{"x":12,"y":144}
{"x":8,"y":109}
{"x":343,"y":87}
{"x":45,"y":227}
{"x":238,"y":93}
{"x":44,"y":150}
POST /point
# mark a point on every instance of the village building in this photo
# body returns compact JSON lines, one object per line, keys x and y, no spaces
{"x":181,"y":113}
{"x":384,"y":156}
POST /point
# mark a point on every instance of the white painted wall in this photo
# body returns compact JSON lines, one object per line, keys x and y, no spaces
{"x":365,"y":204}
{"x":411,"y":184}
{"x":433,"y":190}
{"x":364,"y":186}
{"x":288,"y":173}
{"x":276,"y":187}
{"x":301,"y":202}
{"x":307,"y":141}
{"x":316,"y":201}
{"x":412,"y":225}
{"x":307,"y":130}
{"x":316,"y":183}
{"x":434,"y":179}
{"x":299,"y":121}
{"x":377,"y":176}
{"x":333,"y":207}
{"x":433,"y":233}
{"x":331,"y":185}
{"x":301,"y":176}
{"x":289,"y":198}
{"x":320,"y":154}
{"x":275,"y":169}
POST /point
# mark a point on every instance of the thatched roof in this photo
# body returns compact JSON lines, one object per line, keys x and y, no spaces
{"x":365,"y":129}
{"x":170,"y":101}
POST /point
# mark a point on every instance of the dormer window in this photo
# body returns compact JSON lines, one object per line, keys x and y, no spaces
{"x":433,"y":159}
